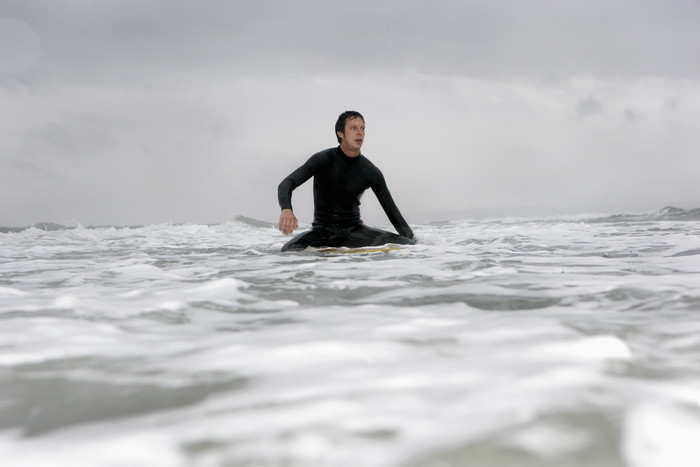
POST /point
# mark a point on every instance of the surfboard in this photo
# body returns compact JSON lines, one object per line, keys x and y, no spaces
{"x":363,"y":249}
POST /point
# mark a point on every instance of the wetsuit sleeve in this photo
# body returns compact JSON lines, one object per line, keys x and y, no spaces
{"x":296,"y":178}
{"x":392,"y":211}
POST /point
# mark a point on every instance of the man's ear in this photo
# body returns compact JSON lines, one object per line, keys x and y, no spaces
{"x":340,"y":134}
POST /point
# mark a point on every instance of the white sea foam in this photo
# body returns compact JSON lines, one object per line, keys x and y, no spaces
{"x":535,"y":342}
{"x":659,"y":434}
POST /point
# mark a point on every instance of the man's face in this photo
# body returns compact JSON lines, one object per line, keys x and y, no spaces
{"x":354,"y":134}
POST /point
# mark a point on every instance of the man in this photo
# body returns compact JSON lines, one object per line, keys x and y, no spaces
{"x":341,"y":175}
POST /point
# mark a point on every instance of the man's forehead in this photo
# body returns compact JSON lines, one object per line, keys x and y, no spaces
{"x":352,"y":119}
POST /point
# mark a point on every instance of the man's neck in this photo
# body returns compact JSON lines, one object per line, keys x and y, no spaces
{"x":349,"y":152}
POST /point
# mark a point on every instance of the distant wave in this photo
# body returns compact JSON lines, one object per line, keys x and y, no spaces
{"x":47,"y":226}
{"x":668,"y":213}
{"x":54,"y":227}
{"x":253,"y":222}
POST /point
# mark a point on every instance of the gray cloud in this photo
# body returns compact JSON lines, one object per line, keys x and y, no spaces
{"x":476,"y":38}
{"x":588,"y":106}
{"x":20,"y":46}
{"x":23,"y":167}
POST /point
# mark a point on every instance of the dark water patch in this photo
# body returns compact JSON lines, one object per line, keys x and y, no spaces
{"x":166,"y":317}
{"x":576,"y":439}
{"x":668,"y":302}
{"x":231,"y":307}
{"x":38,"y":405}
{"x":655,"y":250}
{"x":483,"y":264}
{"x":653,"y":369}
{"x":233,"y":452}
{"x":377,"y":434}
{"x":688,"y":302}
{"x":693,"y":252}
{"x":458,"y":265}
{"x":302,"y":276}
{"x":186,"y":249}
{"x":628,"y":299}
{"x":40,"y":313}
{"x":628,"y":293}
{"x":198,"y":448}
{"x":487,"y":302}
{"x":509,"y":302}
{"x":263,"y":323}
{"x":97,"y":255}
{"x":620,"y":254}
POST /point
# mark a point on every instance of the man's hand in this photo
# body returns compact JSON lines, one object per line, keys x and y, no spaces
{"x":288,"y":222}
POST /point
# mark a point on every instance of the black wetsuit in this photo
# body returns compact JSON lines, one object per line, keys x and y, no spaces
{"x":339,"y":182}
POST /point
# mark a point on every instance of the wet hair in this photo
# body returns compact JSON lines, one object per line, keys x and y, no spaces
{"x":343,"y":119}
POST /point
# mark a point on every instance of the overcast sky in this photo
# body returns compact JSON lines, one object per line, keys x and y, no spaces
{"x":131,"y":112}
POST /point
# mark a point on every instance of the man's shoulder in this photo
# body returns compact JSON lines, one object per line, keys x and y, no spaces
{"x":325,"y":152}
{"x":323,"y":155}
{"x":320,"y":159}
{"x":364,"y":160}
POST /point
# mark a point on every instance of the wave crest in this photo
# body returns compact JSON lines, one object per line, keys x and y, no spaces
{"x":667,"y":213}
{"x":252,"y":222}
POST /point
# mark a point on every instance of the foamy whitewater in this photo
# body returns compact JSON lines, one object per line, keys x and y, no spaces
{"x":562,"y":341}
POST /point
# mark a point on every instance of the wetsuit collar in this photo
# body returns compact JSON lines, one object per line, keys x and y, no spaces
{"x":345,"y":156}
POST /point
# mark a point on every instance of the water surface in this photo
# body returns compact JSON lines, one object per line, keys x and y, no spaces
{"x":563,"y":341}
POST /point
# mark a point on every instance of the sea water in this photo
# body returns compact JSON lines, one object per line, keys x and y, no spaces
{"x":561,"y":341}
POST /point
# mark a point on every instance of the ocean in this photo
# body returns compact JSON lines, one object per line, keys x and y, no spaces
{"x":556,"y":341}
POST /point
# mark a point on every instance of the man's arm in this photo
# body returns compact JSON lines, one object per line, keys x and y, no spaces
{"x":382,"y":193}
{"x":288,"y":221}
